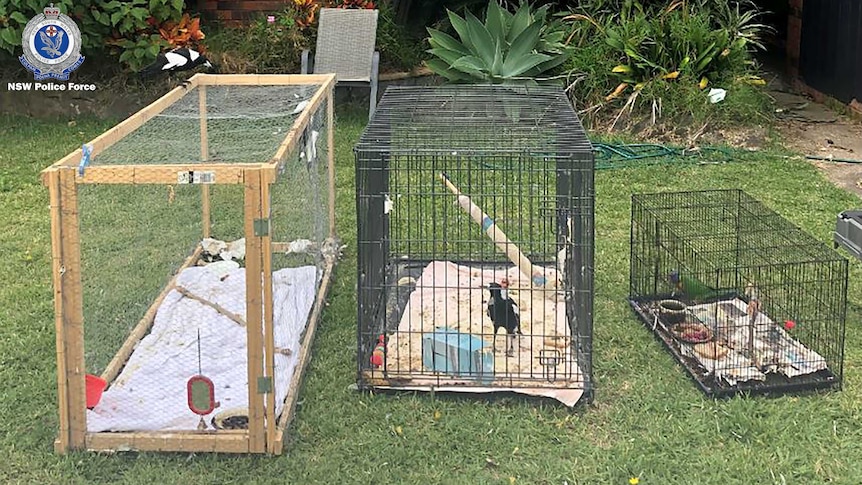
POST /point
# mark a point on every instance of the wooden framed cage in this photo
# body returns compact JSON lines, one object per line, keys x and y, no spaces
{"x":164,"y":341}
{"x":460,"y":188}
{"x":746,"y":301}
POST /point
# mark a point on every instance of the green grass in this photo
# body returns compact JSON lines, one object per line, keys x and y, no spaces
{"x":648,"y":419}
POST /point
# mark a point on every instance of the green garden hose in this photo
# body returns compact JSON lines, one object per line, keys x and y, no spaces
{"x":621,"y":155}
{"x":612,"y":156}
{"x":832,"y":159}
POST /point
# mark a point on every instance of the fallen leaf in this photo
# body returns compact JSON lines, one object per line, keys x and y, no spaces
{"x":622,"y":87}
{"x":752,"y":80}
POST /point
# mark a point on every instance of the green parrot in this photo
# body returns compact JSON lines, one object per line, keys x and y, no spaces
{"x":690,"y":287}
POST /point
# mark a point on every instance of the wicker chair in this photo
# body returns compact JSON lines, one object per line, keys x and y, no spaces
{"x":345,"y":46}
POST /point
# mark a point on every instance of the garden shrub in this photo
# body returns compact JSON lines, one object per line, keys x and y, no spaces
{"x":269,"y":44}
{"x":273,"y":43}
{"x":400,"y":50}
{"x":654,"y":55}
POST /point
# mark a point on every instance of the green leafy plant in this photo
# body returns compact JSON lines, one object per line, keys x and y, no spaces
{"x":303,"y":13}
{"x":695,"y":40}
{"x":506,"y":48}
{"x":359,"y":4}
{"x":144,"y":46}
{"x":662,"y":55}
{"x":400,"y":49}
{"x":269,"y":44}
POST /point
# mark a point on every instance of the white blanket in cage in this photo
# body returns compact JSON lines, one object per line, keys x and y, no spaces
{"x":150,"y":393}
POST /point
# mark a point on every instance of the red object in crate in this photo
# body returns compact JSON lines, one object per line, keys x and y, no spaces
{"x":95,"y":385}
{"x":379,"y":351}
{"x":200,"y":392}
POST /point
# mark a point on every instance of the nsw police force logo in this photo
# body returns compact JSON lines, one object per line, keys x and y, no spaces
{"x":52,"y":45}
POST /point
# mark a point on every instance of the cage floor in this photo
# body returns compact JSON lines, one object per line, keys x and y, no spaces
{"x":722,"y":360}
{"x":449,"y":297}
{"x":150,"y":393}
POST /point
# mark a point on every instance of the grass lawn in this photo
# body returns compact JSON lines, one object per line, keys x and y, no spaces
{"x":648,"y":419}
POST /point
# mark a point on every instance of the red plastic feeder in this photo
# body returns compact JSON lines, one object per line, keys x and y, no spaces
{"x":95,"y":386}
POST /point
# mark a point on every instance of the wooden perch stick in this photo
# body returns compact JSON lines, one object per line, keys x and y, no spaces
{"x":215,"y":306}
{"x":502,"y":241}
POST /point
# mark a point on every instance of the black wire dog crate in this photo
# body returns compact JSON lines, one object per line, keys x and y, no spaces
{"x":745,"y":300}
{"x":473,"y":200}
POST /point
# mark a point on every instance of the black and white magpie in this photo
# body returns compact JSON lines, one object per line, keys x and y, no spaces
{"x":181,"y":59}
{"x":503,"y":312}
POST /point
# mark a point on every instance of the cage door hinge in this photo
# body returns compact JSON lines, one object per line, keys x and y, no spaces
{"x":261,"y":227}
{"x":264,"y":385}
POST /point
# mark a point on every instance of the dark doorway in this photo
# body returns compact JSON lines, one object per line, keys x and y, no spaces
{"x":831,"y":48}
{"x":776,"y":14}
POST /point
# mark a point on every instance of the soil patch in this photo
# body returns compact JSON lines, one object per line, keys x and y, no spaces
{"x":822,"y":135}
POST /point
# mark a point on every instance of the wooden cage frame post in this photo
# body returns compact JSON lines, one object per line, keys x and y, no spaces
{"x":330,"y":145}
{"x":52,"y":179}
{"x":69,"y":319}
{"x":205,"y":188}
{"x":268,"y":319}
{"x":254,"y":313}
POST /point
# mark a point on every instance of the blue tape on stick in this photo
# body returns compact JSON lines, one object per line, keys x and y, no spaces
{"x":86,"y":151}
{"x":487,"y":223}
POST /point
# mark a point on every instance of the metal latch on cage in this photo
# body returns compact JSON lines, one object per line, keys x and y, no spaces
{"x":264,"y":385}
{"x":195,"y":177}
{"x":261,"y":227}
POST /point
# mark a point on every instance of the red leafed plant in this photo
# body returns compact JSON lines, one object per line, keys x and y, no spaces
{"x":185,"y":33}
{"x":305,"y":12}
{"x":356,"y":4}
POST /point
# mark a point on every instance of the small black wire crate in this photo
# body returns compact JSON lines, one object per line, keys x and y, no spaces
{"x":475,"y":243}
{"x":745,"y":300}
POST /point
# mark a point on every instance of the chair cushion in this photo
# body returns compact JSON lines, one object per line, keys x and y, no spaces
{"x":345,"y":43}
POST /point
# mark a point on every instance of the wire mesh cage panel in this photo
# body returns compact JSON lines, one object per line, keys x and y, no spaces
{"x":475,"y":242}
{"x":745,"y":300}
{"x":193,"y":246}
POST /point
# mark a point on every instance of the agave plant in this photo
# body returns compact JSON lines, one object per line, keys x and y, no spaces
{"x":506,"y":48}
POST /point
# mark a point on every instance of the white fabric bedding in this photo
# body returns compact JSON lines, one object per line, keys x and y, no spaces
{"x":150,"y":393}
